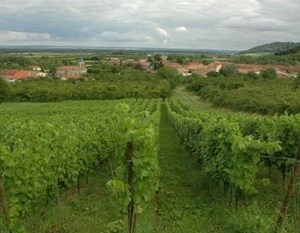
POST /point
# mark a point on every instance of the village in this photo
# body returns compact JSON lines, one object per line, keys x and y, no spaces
{"x":66,"y":72}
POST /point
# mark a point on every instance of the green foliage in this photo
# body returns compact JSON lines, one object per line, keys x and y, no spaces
{"x":288,"y":59}
{"x":296,"y":82}
{"x":268,"y":73}
{"x":179,"y":58}
{"x":205,"y":62}
{"x":50,"y":90}
{"x":170,"y":74}
{"x":42,"y":150}
{"x":292,"y":50}
{"x":225,"y":153}
{"x":156,"y":61}
{"x":4,"y":90}
{"x":273,"y":47}
{"x":264,"y":96}
{"x":105,"y":81}
{"x":230,"y":146}
{"x":115,"y":227}
{"x":139,"y":128}
{"x":14,"y":62}
{"x":252,"y":75}
{"x":229,"y":70}
{"x":250,"y":220}
{"x":213,"y":74}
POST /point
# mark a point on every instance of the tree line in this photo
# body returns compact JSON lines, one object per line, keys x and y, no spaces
{"x":263,"y":96}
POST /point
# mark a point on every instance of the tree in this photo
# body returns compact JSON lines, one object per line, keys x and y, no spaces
{"x":213,"y":74}
{"x":170,"y":74}
{"x":268,"y":73}
{"x":252,"y":75}
{"x":179,"y":58}
{"x":4,"y":90}
{"x":296,"y":82}
{"x":229,"y":70}
{"x":205,"y":62}
{"x":156,"y":61}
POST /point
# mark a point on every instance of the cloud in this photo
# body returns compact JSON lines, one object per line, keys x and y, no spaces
{"x":181,"y":29}
{"x":113,"y":36}
{"x":15,"y":36}
{"x":231,"y":24}
{"x":163,"y":32}
{"x":254,"y":24}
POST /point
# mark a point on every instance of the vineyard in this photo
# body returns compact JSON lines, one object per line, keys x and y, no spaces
{"x":234,"y":149}
{"x":46,"y":148}
{"x":267,"y":97}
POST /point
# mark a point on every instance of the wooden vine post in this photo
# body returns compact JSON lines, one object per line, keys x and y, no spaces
{"x":289,"y":191}
{"x":4,"y":206}
{"x":129,"y":173}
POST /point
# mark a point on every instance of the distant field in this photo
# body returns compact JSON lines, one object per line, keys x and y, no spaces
{"x":256,"y":54}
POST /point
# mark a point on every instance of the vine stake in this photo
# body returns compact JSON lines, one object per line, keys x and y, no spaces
{"x":4,"y":206}
{"x":129,"y":172}
{"x":289,"y":191}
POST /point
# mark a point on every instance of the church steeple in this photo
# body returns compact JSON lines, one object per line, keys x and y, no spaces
{"x":80,"y":62}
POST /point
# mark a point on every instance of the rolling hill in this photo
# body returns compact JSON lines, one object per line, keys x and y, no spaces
{"x":275,"y":47}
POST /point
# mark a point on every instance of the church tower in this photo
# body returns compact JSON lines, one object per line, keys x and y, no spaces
{"x":80,"y":62}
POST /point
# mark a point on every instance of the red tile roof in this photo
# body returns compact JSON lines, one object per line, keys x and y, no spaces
{"x":8,"y":72}
{"x":22,"y":74}
{"x":115,"y":61}
{"x":172,"y":64}
{"x":215,"y":64}
{"x":15,"y":74}
{"x":182,"y":69}
{"x":77,"y":68}
{"x":192,"y":66}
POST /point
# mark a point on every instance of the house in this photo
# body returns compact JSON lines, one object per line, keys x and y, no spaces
{"x":201,"y":69}
{"x":246,"y":68}
{"x":194,"y":66}
{"x":174,"y":65}
{"x":37,"y":74}
{"x":35,"y":68}
{"x":67,"y":72}
{"x":143,"y":63}
{"x":184,"y":71}
{"x":8,"y":72}
{"x":281,"y":70}
{"x":115,"y":61}
{"x":12,"y":75}
{"x":217,"y":65}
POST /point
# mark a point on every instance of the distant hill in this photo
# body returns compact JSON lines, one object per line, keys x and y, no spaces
{"x":293,"y":50}
{"x":276,"y":47}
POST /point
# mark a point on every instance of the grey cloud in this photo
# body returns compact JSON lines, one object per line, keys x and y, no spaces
{"x":24,"y":36}
{"x":112,"y":36}
{"x":210,"y":23}
{"x":181,"y":29}
{"x":254,"y":24}
{"x":163,"y":32}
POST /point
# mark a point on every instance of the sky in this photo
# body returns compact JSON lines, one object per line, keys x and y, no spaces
{"x":187,"y":24}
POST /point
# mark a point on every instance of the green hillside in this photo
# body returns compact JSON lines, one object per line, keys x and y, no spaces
{"x":275,"y":47}
{"x":293,"y":50}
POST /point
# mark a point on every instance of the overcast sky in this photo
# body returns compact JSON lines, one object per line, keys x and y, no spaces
{"x":198,"y":24}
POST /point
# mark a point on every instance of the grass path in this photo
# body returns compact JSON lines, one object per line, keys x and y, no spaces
{"x":194,"y":101}
{"x":181,"y":202}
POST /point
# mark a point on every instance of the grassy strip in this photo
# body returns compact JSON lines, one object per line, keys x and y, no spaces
{"x":182,"y":207}
{"x":90,"y":211}
{"x":194,"y":101}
